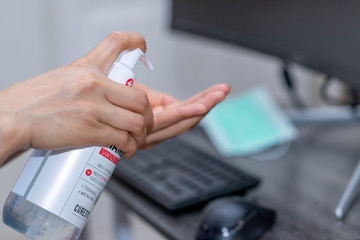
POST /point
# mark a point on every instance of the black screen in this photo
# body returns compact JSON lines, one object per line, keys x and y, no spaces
{"x":321,"y":34}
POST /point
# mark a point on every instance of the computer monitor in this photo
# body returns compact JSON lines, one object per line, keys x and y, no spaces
{"x":320,"y":34}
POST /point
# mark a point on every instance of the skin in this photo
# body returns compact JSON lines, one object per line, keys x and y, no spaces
{"x":77,"y":105}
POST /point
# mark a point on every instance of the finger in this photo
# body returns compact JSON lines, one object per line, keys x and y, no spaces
{"x":170,"y":131}
{"x":130,"y":99}
{"x":225,"y":88}
{"x":128,"y":155}
{"x":106,"y":52}
{"x":164,"y":118}
{"x":131,"y":122}
{"x":157,"y":98}
{"x":209,"y":100}
{"x":122,"y":140}
{"x":106,"y":135}
{"x":171,"y":115}
{"x":163,"y":99}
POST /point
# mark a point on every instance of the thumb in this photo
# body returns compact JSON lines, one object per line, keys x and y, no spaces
{"x":105,"y":53}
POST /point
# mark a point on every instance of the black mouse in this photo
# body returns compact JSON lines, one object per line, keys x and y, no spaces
{"x":233,"y":218}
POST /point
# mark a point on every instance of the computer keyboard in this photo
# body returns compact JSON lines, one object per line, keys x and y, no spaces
{"x":177,"y":175}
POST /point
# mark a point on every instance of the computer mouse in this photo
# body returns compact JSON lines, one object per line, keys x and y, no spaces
{"x":233,"y":218}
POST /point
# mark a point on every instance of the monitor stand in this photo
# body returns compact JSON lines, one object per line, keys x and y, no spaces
{"x":333,"y":115}
{"x":326,"y":115}
{"x":349,"y":194}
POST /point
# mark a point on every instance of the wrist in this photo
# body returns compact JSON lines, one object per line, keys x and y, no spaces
{"x":12,"y":136}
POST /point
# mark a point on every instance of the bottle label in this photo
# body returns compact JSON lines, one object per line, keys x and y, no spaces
{"x":67,"y":183}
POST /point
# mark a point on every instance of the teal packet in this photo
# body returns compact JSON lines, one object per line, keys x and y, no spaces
{"x":247,"y":124}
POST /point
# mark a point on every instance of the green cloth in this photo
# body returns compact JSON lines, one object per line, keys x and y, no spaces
{"x":248,"y":123}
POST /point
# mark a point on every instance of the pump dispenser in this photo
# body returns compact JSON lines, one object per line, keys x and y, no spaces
{"x":123,"y":69}
{"x":57,"y":189}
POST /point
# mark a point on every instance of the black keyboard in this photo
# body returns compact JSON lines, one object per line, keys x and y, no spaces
{"x":177,"y":175}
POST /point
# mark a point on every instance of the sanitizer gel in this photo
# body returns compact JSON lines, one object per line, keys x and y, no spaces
{"x":57,"y":189}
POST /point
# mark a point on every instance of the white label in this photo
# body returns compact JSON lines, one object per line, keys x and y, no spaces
{"x":67,"y":183}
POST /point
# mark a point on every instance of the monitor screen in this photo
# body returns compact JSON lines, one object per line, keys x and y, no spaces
{"x":321,"y":34}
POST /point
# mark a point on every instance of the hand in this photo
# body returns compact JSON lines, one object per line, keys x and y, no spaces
{"x":77,"y":105}
{"x":173,"y":117}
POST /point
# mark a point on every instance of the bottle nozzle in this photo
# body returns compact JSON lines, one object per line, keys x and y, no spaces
{"x":122,"y":71}
{"x":130,"y":58}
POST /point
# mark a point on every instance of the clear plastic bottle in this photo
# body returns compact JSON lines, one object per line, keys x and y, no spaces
{"x":57,"y":190}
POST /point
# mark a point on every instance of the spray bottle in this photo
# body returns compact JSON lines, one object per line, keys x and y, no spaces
{"x":57,"y":189}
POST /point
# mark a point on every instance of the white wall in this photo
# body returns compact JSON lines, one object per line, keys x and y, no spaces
{"x":22,"y":40}
{"x":22,"y":52}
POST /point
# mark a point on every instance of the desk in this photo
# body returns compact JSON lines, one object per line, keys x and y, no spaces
{"x":304,"y":188}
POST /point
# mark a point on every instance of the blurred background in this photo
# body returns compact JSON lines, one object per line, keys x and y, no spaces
{"x":40,"y":35}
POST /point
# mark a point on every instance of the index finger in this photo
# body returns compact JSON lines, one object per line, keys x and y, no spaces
{"x":225,"y":88}
{"x":106,"y":52}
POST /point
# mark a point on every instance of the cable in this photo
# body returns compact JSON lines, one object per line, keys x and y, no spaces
{"x":291,"y":87}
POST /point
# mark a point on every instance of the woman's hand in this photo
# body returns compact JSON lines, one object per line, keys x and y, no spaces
{"x":77,"y":105}
{"x":173,"y":117}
